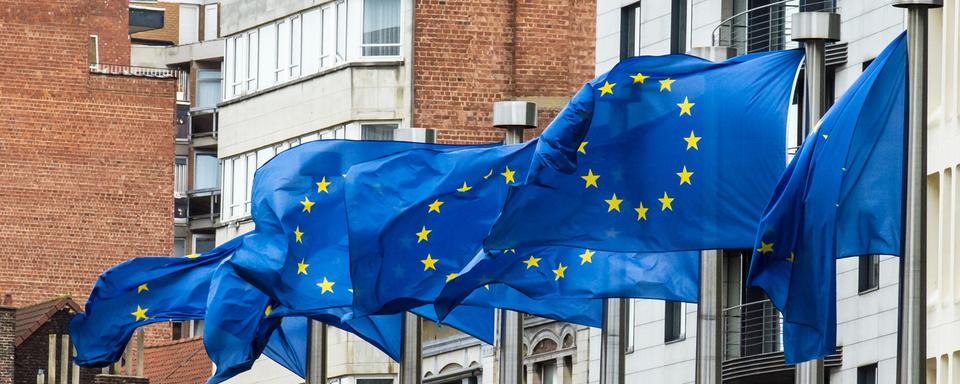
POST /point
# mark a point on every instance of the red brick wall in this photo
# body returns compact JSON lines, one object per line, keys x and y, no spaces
{"x":469,"y":54}
{"x":7,"y":340}
{"x":85,"y":159}
{"x":33,"y":353}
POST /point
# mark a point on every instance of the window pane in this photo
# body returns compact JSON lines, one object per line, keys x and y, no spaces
{"x":203,"y":243}
{"x":93,"y":53}
{"x":867,"y":374}
{"x":329,"y":33}
{"x":673,"y":317}
{"x":210,"y":22}
{"x":341,"y":30}
{"x":549,"y":374}
{"x":310,"y":53}
{"x":283,"y":50}
{"x":227,"y":190}
{"x":179,"y":246}
{"x":228,"y":64}
{"x":251,"y":72}
{"x":251,"y":169}
{"x":381,"y":132}
{"x":239,"y":186}
{"x":381,"y":27}
{"x":869,"y":272}
{"x":206,"y":173}
{"x":295,"y":41}
{"x":208,"y":88}
{"x":268,"y":55}
{"x":180,"y":177}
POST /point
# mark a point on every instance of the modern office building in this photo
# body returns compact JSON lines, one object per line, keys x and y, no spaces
{"x":662,"y":346}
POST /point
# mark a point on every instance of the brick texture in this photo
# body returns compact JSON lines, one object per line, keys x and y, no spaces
{"x":85,"y":159}
{"x":178,"y":362}
{"x":32,"y":353}
{"x":469,"y":54}
{"x":7,"y":321}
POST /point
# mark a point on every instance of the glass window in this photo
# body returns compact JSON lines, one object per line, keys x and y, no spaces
{"x":251,"y":60}
{"x":341,"y":31}
{"x":311,"y":41}
{"x":381,"y":28}
{"x":295,"y":46}
{"x":206,"y":172}
{"x":548,"y":373}
{"x":210,"y":22}
{"x":208,"y":88}
{"x":328,"y":37}
{"x":673,"y":321}
{"x":268,"y":56}
{"x":237,"y":71}
{"x":239,"y":186}
{"x":93,"y":51}
{"x":630,"y":31}
{"x":203,"y":243}
{"x":229,"y":67}
{"x":283,"y":50}
{"x":869,"y":273}
{"x":380,"y":132}
{"x":867,"y":374}
{"x":227,"y":190}
{"x":180,"y":177}
{"x":251,"y":169}
{"x":631,"y":324}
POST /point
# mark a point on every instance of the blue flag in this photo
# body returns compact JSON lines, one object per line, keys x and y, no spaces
{"x":299,"y":254}
{"x":418,"y":218}
{"x":561,"y":275}
{"x":239,"y":325}
{"x":668,"y":153}
{"x":288,"y":345}
{"x":841,"y":196}
{"x":138,"y":292}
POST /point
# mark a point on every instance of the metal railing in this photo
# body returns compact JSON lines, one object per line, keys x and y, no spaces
{"x":132,"y":70}
{"x":752,"y":329}
{"x":766,"y":27}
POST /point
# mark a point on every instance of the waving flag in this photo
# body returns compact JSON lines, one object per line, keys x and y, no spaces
{"x":669,"y":153}
{"x":841,"y":196}
{"x":142,"y":291}
{"x":299,"y":253}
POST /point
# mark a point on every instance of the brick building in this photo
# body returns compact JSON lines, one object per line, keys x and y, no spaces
{"x":85,"y":145}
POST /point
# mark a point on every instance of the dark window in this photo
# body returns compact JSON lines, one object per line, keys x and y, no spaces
{"x":177,"y":330}
{"x":869,"y":273}
{"x":374,"y":381}
{"x":817,"y":5}
{"x":673,"y":328}
{"x":630,"y":31}
{"x":867,"y":374}
{"x":678,"y":26}
{"x":380,"y":132}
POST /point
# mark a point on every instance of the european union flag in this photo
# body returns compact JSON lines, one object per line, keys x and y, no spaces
{"x":416,"y":220}
{"x":841,"y":196}
{"x":561,"y":275}
{"x":142,"y":291}
{"x":299,"y":253}
{"x":238,"y":325}
{"x":669,"y":153}
{"x":288,"y":345}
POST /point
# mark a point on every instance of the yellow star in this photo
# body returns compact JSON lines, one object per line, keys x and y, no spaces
{"x":665,"y":202}
{"x":511,"y":250}
{"x":451,"y":276}
{"x":267,"y":310}
{"x":685,"y":107}
{"x":692,"y":141}
{"x":140,"y":314}
{"x":532,"y":262}
{"x":583,"y":147}
{"x":607,"y":88}
{"x":307,"y":204}
{"x":298,"y":235}
{"x":464,"y":188}
{"x":435,"y":206}
{"x":302,"y":267}
{"x":558,"y":273}
{"x":685,"y":176}
{"x":429,"y":263}
{"x":325,"y":286}
{"x":641,"y":212}
{"x":422,"y":235}
{"x":613,"y":203}
{"x":508,"y":175}
{"x":586,"y":256}
{"x":487,"y":176}
{"x":591,"y":179}
{"x":825,"y":136}
{"x":192,"y":256}
{"x":665,"y":85}
{"x":322,"y":185}
{"x":791,"y":258}
{"x":142,"y":287}
{"x":765,"y":247}
{"x":639,"y":78}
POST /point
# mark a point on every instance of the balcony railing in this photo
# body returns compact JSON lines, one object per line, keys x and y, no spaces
{"x":766,"y":27}
{"x":752,"y":329}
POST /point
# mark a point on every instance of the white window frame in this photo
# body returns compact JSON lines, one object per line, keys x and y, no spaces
{"x":296,"y":47}
{"x":96,"y":51}
{"x":251,"y":61}
{"x":194,"y":237}
{"x":360,"y":46}
{"x":282,"y":52}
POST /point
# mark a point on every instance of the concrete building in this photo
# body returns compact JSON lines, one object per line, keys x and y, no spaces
{"x":296,"y":71}
{"x":867,"y":286}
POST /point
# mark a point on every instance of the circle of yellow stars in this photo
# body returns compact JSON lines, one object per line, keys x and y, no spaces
{"x":685,"y":175}
{"x":306,"y":207}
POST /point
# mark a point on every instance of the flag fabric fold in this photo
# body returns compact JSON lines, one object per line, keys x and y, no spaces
{"x":660,"y":154}
{"x":142,"y":291}
{"x":841,"y":196}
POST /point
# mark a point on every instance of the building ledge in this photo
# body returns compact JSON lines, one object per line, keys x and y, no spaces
{"x":341,"y":67}
{"x":448,"y":344}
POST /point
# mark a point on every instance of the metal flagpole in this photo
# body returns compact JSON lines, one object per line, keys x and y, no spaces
{"x":912,"y":334}
{"x":317,"y":353}
{"x":411,"y":364}
{"x":513,"y":117}
{"x":709,"y":330}
{"x":613,"y":339}
{"x":813,"y":30}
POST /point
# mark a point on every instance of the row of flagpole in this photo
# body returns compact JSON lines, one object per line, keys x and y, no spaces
{"x":812,"y":29}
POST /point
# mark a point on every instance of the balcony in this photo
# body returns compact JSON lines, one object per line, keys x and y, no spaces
{"x":753,"y":345}
{"x":768,"y":28}
{"x":203,"y":128}
{"x":203,"y":211}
